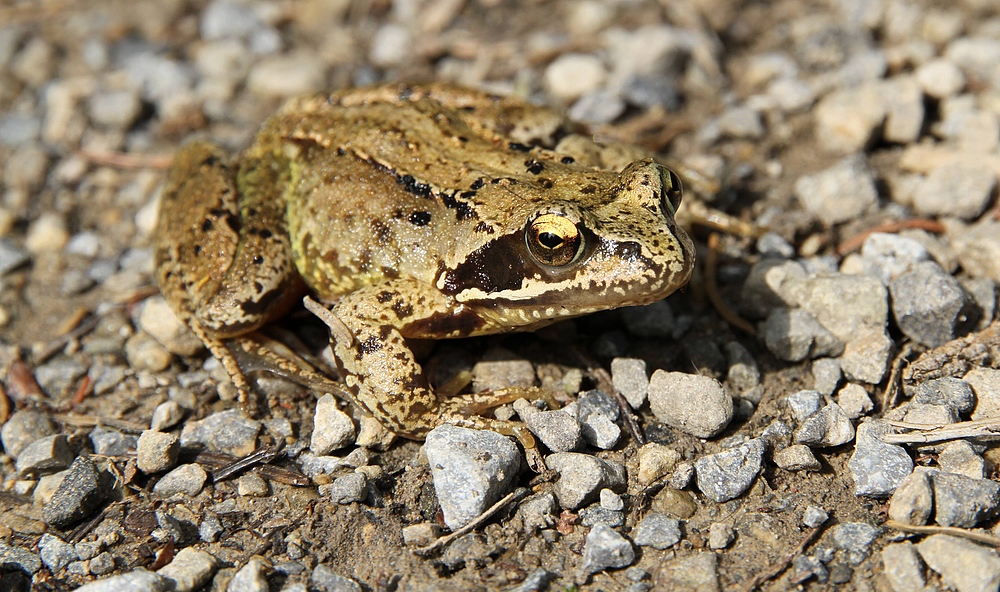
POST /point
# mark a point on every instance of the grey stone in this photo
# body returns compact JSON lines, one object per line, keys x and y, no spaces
{"x":628,"y":375}
{"x":966,"y":566}
{"x":963,"y":501}
{"x":228,"y":432}
{"x":210,"y":528}
{"x":720,"y":535}
{"x":23,"y":428}
{"x":102,"y":564}
{"x":950,"y":391}
{"x":727,"y":474}
{"x":55,"y":553}
{"x":252,"y":577}
{"x":699,"y":572}
{"x":855,"y":401}
{"x":611,"y":500}
{"x":606,"y":549}
{"x":743,"y":374}
{"x":797,"y":458}
{"x":77,"y":497}
{"x":830,"y":426}
{"x":878,"y":468}
{"x":795,"y":335}
{"x":960,"y":189}
{"x":940,"y":78}
{"x":500,"y":369}
{"x":251,"y":484}
{"x":158,"y":320}
{"x":985,"y":383}
{"x":913,"y":499}
{"x":16,"y":130}
{"x":225,"y":19}
{"x":11,"y":257}
{"x":855,"y":538}
{"x":960,"y":457}
{"x":347,"y":489}
{"x":157,"y":451}
{"x":138,"y":580}
{"x":741,"y":123}
{"x":538,"y":511}
{"x":58,"y":376}
{"x":190,"y":570}
{"x":903,"y":567}
{"x":926,"y":303}
{"x":145,"y":353}
{"x":814,"y":516}
{"x":791,"y":94}
{"x":771,"y":244}
{"x":804,"y":404}
{"x":324,"y":579}
{"x":14,"y":558}
{"x":114,"y":109}
{"x":595,"y":514}
{"x":904,"y":104}
{"x":166,"y":415}
{"x":847,"y":120}
{"x":187,"y":479}
{"x":598,"y":106}
{"x":597,"y":401}
{"x":650,"y":321}
{"x":558,"y":430}
{"x":652,"y":91}
{"x":886,"y":256}
{"x":582,"y":476}
{"x":696,"y":405}
{"x":332,"y":428}
{"x":471,"y":469}
{"x":866,"y":357}
{"x":313,"y":465}
{"x":930,"y":414}
{"x":655,"y":461}
{"x":658,"y":531}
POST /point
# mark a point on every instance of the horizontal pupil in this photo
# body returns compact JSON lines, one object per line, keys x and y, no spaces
{"x":550,"y":240}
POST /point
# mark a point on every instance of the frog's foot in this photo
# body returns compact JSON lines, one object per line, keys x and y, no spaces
{"x":226,"y":357}
{"x":507,"y":428}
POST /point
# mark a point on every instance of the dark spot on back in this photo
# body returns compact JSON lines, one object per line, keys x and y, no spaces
{"x":420,"y":218}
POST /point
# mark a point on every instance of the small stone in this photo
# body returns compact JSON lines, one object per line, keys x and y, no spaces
{"x":374,"y":435}
{"x":500,"y":369}
{"x":145,"y":353}
{"x":157,"y":451}
{"x":963,"y":501}
{"x":650,"y":321}
{"x":611,"y":501}
{"x":596,"y":107}
{"x":961,"y":189}
{"x":46,"y":234}
{"x":11,"y":257}
{"x":930,"y":414}
{"x":795,"y":335}
{"x":949,"y":391}
{"x":855,"y":538}
{"x":855,"y":401}
{"x":743,"y":373}
{"x":228,"y":432}
{"x":538,"y":511}
{"x":830,"y":426}
{"x":210,"y":529}
{"x":23,"y":428}
{"x":595,"y":514}
{"x":599,"y":430}
{"x":696,"y":405}
{"x":658,"y":531}
{"x":814,"y":516}
{"x":324,"y":579}
{"x":558,"y":430}
{"x":886,"y":256}
{"x":421,"y":534}
{"x":77,"y":497}
{"x":582,"y":476}
{"x":44,"y":456}
{"x":347,"y":489}
{"x":720,"y":535}
{"x":903,"y":567}
{"x":252,"y":484}
{"x":904,"y":103}
{"x":115,"y":109}
{"x":798,"y":457}
{"x":166,"y":415}
{"x":138,"y":580}
{"x":966,"y":566}
{"x":940,"y":78}
{"x":878,"y":468}
{"x":741,"y":123}
{"x":840,"y":193}
{"x":699,"y":572}
{"x":158,"y":320}
{"x":804,"y":404}
{"x":628,"y":375}
{"x":252,"y":577}
{"x":56,"y":553}
{"x":727,"y":474}
{"x":190,"y":570}
{"x":187,"y":479}
{"x":866,"y":357}
{"x":26,"y":170}
{"x":472,"y":469}
{"x":102,"y":564}
{"x":960,"y":457}
{"x":332,"y":428}
{"x":913,"y":499}
{"x":287,"y":75}
{"x":606,"y":549}
{"x":655,"y":461}
{"x":847,"y":119}
{"x":646,"y":91}
{"x":572,"y":75}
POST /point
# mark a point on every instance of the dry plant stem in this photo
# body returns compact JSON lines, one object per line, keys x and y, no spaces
{"x":854,"y":243}
{"x":83,"y":326}
{"x":217,"y":462}
{"x":783,"y":565}
{"x":892,"y":387}
{"x":712,"y":289}
{"x":261,"y":456}
{"x":949,"y":530}
{"x":985,"y":429}
{"x":442,"y":541}
{"x":124,"y":160}
{"x":604,"y":382}
{"x":92,"y":421}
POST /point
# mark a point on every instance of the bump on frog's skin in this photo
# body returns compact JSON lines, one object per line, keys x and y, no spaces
{"x":407,"y":208}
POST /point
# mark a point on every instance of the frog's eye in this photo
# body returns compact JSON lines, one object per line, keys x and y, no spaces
{"x":671,"y":190}
{"x":554,"y":239}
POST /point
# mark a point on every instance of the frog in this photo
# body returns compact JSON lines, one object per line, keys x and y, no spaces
{"x":412,"y":212}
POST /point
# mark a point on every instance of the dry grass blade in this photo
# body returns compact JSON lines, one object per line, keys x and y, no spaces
{"x":986,"y":429}
{"x":949,"y":530}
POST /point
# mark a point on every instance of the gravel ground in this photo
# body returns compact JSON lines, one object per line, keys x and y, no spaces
{"x":771,"y":460}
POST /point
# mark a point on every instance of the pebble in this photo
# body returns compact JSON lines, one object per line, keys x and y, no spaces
{"x":138,"y":580}
{"x":743,"y":373}
{"x":572,"y":75}
{"x":804,"y":404}
{"x":158,"y":320}
{"x":424,"y":533}
{"x":720,"y":535}
{"x":840,"y":193}
{"x":47,"y":234}
{"x":855,"y":538}
{"x":963,"y":501}
{"x":866,"y":357}
{"x":658,"y":531}
{"x":798,"y":457}
{"x":655,"y":461}
{"x":877,"y":468}
{"x":77,"y":497}
{"x":959,"y":189}
{"x":332,"y":428}
{"x":595,"y":514}
{"x":597,"y":412}
{"x":846,"y":121}
{"x":44,"y":456}
{"x":904,"y":103}
{"x":287,"y":75}
{"x":960,"y":457}
{"x":699,"y":572}
{"x":985,"y":383}
{"x":772,"y":244}
{"x":186,"y":479}
{"x":324,"y":579}
{"x":558,"y":430}
{"x":652,"y":321}
{"x":538,"y":511}
{"x":157,"y":451}
{"x":313,"y":465}
{"x":228,"y":432}
{"x":854,"y":400}
{"x":940,"y":78}
{"x":166,"y":415}
{"x":225,"y":19}
{"x":145,"y":353}
{"x":611,"y":501}
{"x":795,"y":335}
{"x":927,"y":304}
{"x":12,"y":257}
{"x":23,"y":428}
{"x":647,"y":91}
{"x":726,"y":475}
{"x":814,"y":516}
{"x":114,"y":109}
{"x":978,"y":248}
{"x":16,"y":130}
{"x":828,"y":427}
{"x":210,"y":528}
{"x":966,"y":566}
{"x":596,"y":107}
{"x":472,"y":469}
{"x":252,"y":577}
{"x":102,"y":564}
{"x":886,"y":256}
{"x":500,"y":369}
{"x":252,"y":485}
{"x":903,"y":567}
{"x":582,"y":476}
{"x":741,"y":123}
{"x":913,"y":499}
{"x":693,"y":404}
{"x":930,"y":414}
{"x":371,"y":434}
{"x":791,"y":94}
{"x":347,"y":489}
{"x":55,"y":553}
{"x":606,"y":549}
{"x":628,"y":375}
{"x":26,"y":170}
{"x":190,"y":570}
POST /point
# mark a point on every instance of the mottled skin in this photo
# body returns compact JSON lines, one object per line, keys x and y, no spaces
{"x":416,"y":212}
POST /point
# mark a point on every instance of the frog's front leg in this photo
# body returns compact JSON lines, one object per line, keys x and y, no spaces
{"x":379,"y":369}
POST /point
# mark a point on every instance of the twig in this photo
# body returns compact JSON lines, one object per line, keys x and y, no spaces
{"x":950,"y":530}
{"x":515,"y":495}
{"x":214,"y":461}
{"x":92,"y":421}
{"x":854,"y":243}
{"x":892,"y":387}
{"x":783,"y":565}
{"x":261,"y":456}
{"x":712,"y":289}
{"x":939,"y":432}
{"x":125,"y":160}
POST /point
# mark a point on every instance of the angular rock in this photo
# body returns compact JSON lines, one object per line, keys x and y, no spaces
{"x":628,"y":375}
{"x":332,"y":428}
{"x":966,"y":566}
{"x":913,"y":499}
{"x":658,"y":531}
{"x":798,"y":457}
{"x":228,"y":432}
{"x":830,"y":426}
{"x":878,"y":468}
{"x":727,"y":474}
{"x":795,"y":335}
{"x":157,"y":451}
{"x":697,"y":405}
{"x":950,"y":391}
{"x":190,"y":570}
{"x":903,"y":567}
{"x":840,"y":193}
{"x":187,"y":479}
{"x":606,"y":549}
{"x":24,"y":427}
{"x":80,"y":494}
{"x":138,"y":580}
{"x":927,"y":303}
{"x":582,"y":476}
{"x":44,"y":456}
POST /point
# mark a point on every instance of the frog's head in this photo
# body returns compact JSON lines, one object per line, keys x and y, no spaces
{"x":615,"y":244}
